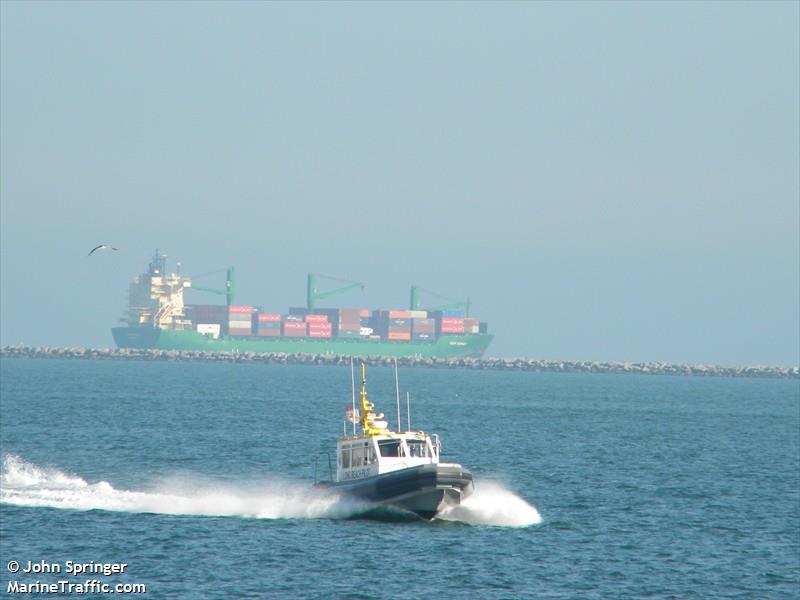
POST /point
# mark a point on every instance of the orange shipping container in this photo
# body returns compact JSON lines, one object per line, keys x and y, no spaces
{"x":269,"y":332}
{"x":239,"y":331}
{"x":393,"y":335}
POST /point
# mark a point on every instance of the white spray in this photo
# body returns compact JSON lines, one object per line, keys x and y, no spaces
{"x":25,"y":484}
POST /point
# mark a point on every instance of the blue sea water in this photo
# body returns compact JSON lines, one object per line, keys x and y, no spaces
{"x":587,"y":486}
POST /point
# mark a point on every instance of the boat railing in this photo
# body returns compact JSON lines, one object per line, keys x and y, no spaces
{"x":316,"y":465}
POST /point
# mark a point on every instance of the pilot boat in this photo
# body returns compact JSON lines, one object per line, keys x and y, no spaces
{"x":400,"y":469}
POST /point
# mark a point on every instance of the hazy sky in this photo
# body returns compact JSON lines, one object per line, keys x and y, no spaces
{"x":604,"y":181}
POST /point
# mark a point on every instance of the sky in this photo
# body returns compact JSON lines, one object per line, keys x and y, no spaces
{"x":604,"y":181}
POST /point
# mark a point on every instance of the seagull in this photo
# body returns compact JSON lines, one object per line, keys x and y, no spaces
{"x":102,"y":247}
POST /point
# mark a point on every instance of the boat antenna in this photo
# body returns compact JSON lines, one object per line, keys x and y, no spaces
{"x":353,"y":381}
{"x":397,"y":393}
{"x":408,"y":409}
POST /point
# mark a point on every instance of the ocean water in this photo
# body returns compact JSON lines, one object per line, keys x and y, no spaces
{"x":198,"y":476}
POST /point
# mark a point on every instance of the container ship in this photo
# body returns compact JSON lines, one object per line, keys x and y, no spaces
{"x":158,"y":317}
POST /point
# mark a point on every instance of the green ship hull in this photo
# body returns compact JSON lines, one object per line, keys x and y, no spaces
{"x":446,"y":346}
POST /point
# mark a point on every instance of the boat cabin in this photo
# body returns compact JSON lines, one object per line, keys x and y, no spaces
{"x":367,"y":455}
{"x":377,"y":449}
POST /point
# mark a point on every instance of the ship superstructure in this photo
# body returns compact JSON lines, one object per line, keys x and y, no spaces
{"x":155,"y":298}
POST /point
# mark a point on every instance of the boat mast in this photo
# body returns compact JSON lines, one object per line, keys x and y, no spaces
{"x":397,"y":394}
{"x":353,"y":382}
{"x":364,"y":402}
{"x":371,"y":422}
{"x":408,"y":409}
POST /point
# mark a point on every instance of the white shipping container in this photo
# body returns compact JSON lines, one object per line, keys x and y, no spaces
{"x":418,"y":314}
{"x":211,"y":329}
{"x":365,"y":331}
{"x":240,"y":324}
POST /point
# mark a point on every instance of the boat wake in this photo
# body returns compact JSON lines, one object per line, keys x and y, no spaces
{"x":493,"y":504}
{"x":26,"y":484}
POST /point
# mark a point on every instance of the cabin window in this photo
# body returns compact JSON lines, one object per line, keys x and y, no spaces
{"x":358,"y":457}
{"x":362,"y":455}
{"x":417,"y":448}
{"x":390,"y":447}
{"x":346,"y":458}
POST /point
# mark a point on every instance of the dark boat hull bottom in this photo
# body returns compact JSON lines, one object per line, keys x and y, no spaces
{"x":425,"y":490}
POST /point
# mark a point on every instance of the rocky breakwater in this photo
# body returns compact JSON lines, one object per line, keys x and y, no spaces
{"x":497,"y":364}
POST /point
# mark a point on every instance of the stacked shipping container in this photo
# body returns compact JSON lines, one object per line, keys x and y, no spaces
{"x":349,"y":323}
{"x":423,"y":330}
{"x":240,"y":320}
{"x":319,"y":326}
{"x":294,"y":325}
{"x":268,"y":324}
{"x":450,"y":325}
{"x":392,"y":325}
{"x":397,"y":325}
{"x":472,"y":326}
{"x":206,"y":313}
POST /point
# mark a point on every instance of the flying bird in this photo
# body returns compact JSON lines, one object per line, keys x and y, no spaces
{"x":101,"y":247}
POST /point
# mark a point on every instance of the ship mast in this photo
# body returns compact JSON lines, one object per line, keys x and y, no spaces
{"x":371,"y":423}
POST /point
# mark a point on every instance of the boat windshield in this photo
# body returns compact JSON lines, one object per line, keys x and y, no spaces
{"x":390,"y":447}
{"x":417,"y":448}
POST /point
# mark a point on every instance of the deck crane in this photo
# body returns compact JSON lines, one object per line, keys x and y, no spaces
{"x":312,"y":295}
{"x":228,"y":292}
{"x":453,"y":303}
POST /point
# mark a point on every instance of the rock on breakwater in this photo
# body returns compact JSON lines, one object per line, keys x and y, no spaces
{"x":501,"y":364}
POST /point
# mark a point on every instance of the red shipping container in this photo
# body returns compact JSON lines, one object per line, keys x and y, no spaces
{"x":234,"y":308}
{"x":364,"y":312}
{"x":319,"y":334}
{"x":316,"y":318}
{"x":294,"y":329}
{"x":269,"y":317}
{"x":452,"y":329}
{"x":452,"y":321}
{"x":239,"y":331}
{"x":399,"y":314}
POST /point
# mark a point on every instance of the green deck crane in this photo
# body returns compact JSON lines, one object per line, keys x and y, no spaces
{"x":453,"y":303}
{"x":228,"y":292}
{"x":312,"y":295}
